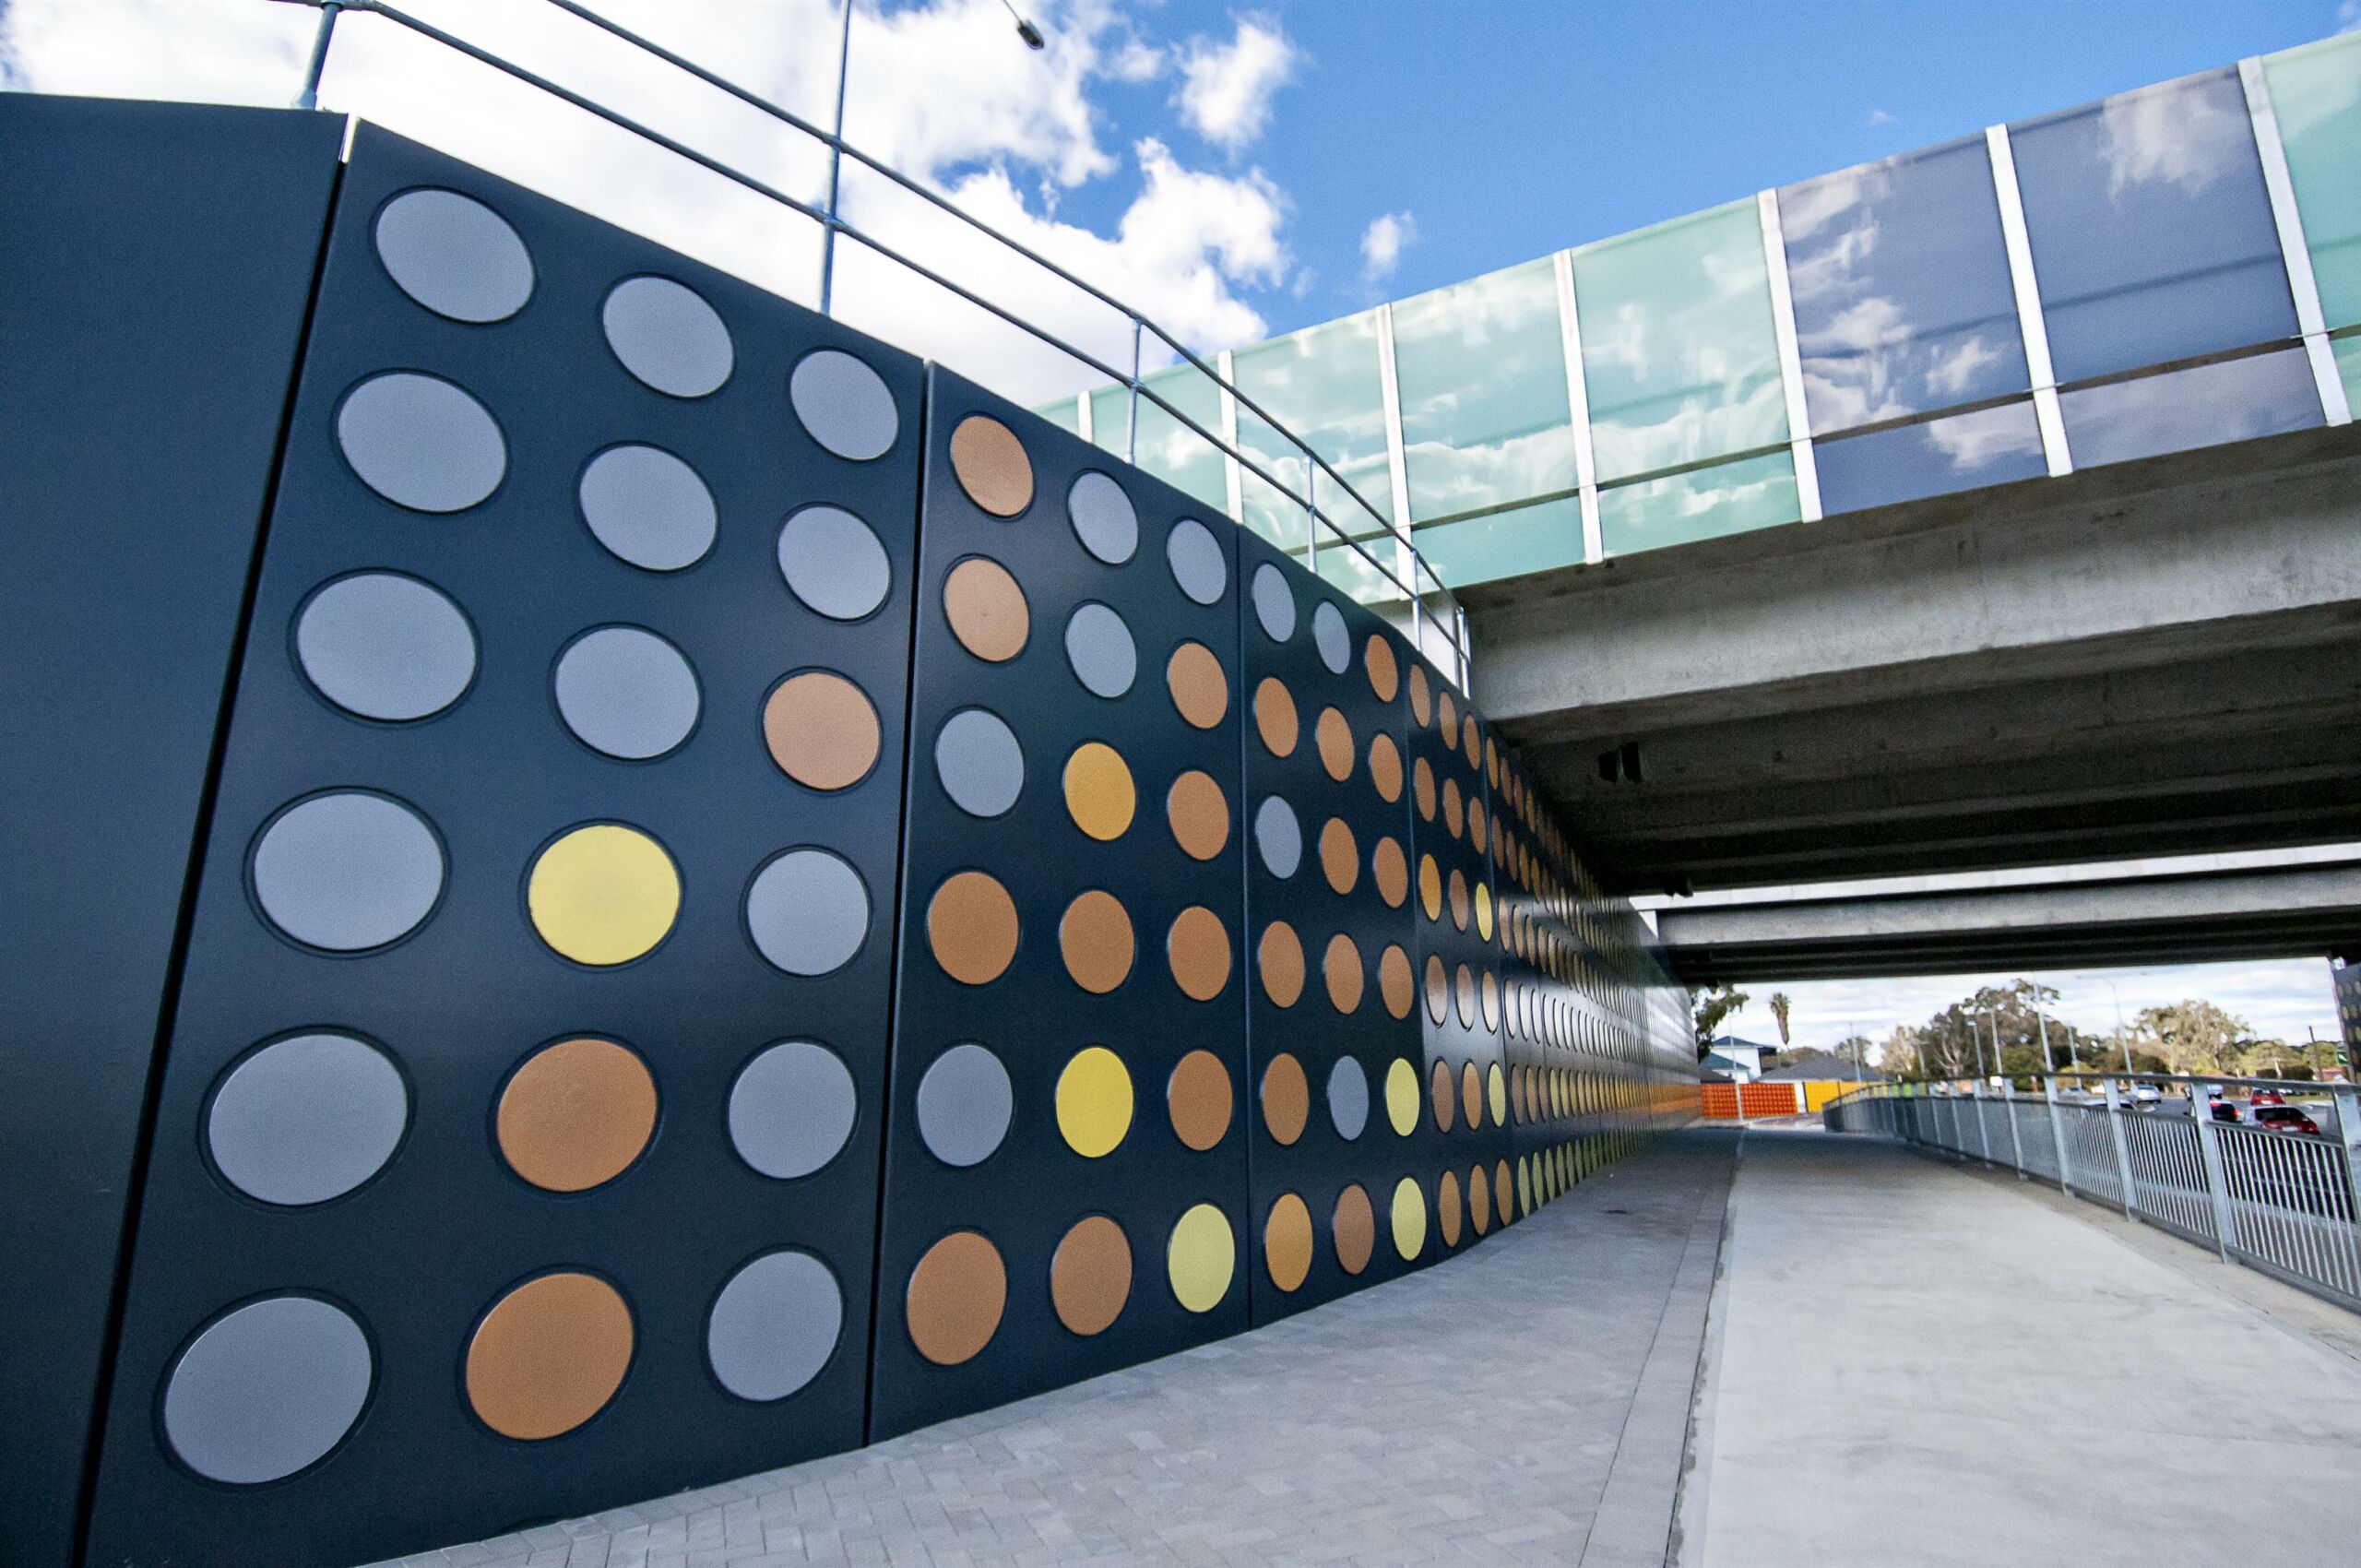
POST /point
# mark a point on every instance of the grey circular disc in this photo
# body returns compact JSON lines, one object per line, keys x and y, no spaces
{"x":385,"y":647}
{"x":1329,"y":635}
{"x":832,"y":563}
{"x":791,"y":1109}
{"x":1348,"y":1098}
{"x":648,"y":508}
{"x":420,"y":442}
{"x":964,"y":1106}
{"x":808,"y":912}
{"x":1104,"y":518}
{"x":307,"y":1118}
{"x":774,"y":1326}
{"x":267,"y":1390}
{"x":1100,"y":647}
{"x":627,"y":692}
{"x":1196,"y":561}
{"x":1273,"y":602}
{"x":980,"y":764}
{"x":1278,"y":836}
{"x":348,"y":871}
{"x":455,"y":255}
{"x":667,"y":336}
{"x":844,"y":404}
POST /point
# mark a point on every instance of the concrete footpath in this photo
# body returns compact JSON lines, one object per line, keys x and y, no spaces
{"x":1525,"y":1403}
{"x":1913,"y":1363}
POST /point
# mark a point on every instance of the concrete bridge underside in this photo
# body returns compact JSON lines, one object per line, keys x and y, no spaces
{"x":2159,"y":658}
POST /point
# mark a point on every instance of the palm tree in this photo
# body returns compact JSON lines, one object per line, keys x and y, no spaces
{"x":1779,"y":1005}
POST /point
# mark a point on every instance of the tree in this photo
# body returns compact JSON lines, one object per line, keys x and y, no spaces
{"x":2194,"y":1036}
{"x":1711,"y":1005}
{"x":1779,"y":1009}
{"x":1857,"y":1050}
{"x":1897,"y":1057}
{"x":1958,"y":1042}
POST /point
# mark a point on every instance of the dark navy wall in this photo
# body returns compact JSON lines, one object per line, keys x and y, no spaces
{"x":152,"y":292}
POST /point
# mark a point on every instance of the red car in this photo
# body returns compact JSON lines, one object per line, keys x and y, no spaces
{"x":2284,"y":1119}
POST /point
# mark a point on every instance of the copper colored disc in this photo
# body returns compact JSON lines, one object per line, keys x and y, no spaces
{"x":1465,"y":991}
{"x":1095,"y":935}
{"x":1384,"y":674}
{"x":986,"y":609}
{"x":1090,"y":1275}
{"x":955,"y":1296}
{"x":1353,"y":1226}
{"x":1445,"y":1103}
{"x":991,"y":465}
{"x":1287,"y":1242}
{"x":1447,"y":720}
{"x":1199,"y":1099}
{"x":1386,"y":767}
{"x":1475,"y":752}
{"x":577,"y":1114}
{"x":1279,"y":957}
{"x":1450,"y":817}
{"x":1447,"y":1208}
{"x":1342,"y":968}
{"x":1274,"y":717}
{"x":1516,"y":1094}
{"x":1479,"y":1200}
{"x":1458,"y":899}
{"x":1287,"y":1099}
{"x":1500,"y":1193}
{"x":1200,"y":687}
{"x":1471,"y":1095}
{"x":1422,"y":707}
{"x":549,"y":1356}
{"x":1438,"y":988}
{"x":1199,"y":815}
{"x":1394,"y":983}
{"x":1334,"y":739}
{"x":1198,"y":949}
{"x":1340,"y":858}
{"x":971,"y":926}
{"x":1422,"y":787}
{"x":822,"y":730}
{"x":1475,"y":825}
{"x":1392,"y":870}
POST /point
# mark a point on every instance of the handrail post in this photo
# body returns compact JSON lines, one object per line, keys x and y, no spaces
{"x":1311,"y":525}
{"x":310,"y":97}
{"x":1131,"y":419}
{"x":2217,"y":1182}
{"x":836,"y":163}
{"x":2057,"y":1137}
{"x":2009,"y":1109}
{"x":2347,"y":1101}
{"x":1983,"y":1128}
{"x":2122,"y":1150}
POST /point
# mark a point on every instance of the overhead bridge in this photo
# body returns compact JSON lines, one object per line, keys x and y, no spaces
{"x":2269,"y":912}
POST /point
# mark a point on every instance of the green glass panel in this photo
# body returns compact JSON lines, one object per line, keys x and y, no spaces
{"x":1679,"y":359}
{"x":1167,"y":448}
{"x":1485,"y":418}
{"x":1753,"y":493}
{"x":2348,"y":366}
{"x":2315,"y":92}
{"x":1066,"y":413}
{"x":1323,"y":383}
{"x":1505,"y":544}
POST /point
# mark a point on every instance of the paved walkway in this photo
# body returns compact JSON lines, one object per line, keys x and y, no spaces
{"x":1523,"y":1403}
{"x":1914,"y":1364}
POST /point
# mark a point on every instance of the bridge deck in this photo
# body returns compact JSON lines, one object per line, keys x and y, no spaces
{"x":1903,"y":1363}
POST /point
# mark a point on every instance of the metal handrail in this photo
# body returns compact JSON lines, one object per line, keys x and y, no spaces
{"x":1414,"y":596}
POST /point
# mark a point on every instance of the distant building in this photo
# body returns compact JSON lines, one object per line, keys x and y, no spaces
{"x":1817,"y":1065}
{"x":1740,"y":1060}
{"x":2344,"y":973}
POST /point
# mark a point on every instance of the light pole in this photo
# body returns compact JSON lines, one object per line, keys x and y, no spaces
{"x":2049,"y":1063}
{"x":1025,"y":30}
{"x":2000,"y":1063}
{"x":2121,"y":1043}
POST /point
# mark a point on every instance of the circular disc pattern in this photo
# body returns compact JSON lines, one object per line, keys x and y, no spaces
{"x":1094,"y":1102}
{"x":1099,"y":794}
{"x":1090,"y":1275}
{"x":971,"y":928}
{"x":1348,"y":1098}
{"x":667,"y":336}
{"x":833,"y":562}
{"x":347,"y":870}
{"x":647,"y":507}
{"x":1409,"y":1219}
{"x":991,"y":465}
{"x":844,"y":405}
{"x":385,"y":647}
{"x":575,"y":1115}
{"x":604,"y":894}
{"x":627,"y":692}
{"x":1100,"y":651}
{"x":964,"y":1104}
{"x":774,"y":1326}
{"x":307,"y":1118}
{"x":1104,"y":518}
{"x":986,"y":609}
{"x":267,"y":1390}
{"x":1197,"y":563}
{"x":1198,"y":1097}
{"x":1287,"y":1242}
{"x":792,"y":1109}
{"x":1354,"y":1228}
{"x":1273,"y":602}
{"x":1201,"y":1258}
{"x":808,"y":912}
{"x":454,"y":255}
{"x":822,"y":730}
{"x":1094,"y":938}
{"x":979,"y":762}
{"x":420,"y":442}
{"x":1199,"y":686}
{"x":1278,"y":838}
{"x":1330,"y":637}
{"x":955,"y":1296}
{"x":549,"y":1355}
{"x":1198,"y":813}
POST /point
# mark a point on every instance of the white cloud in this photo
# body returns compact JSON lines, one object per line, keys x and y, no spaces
{"x":944,"y":91}
{"x":1225,"y":89}
{"x":1382,"y":244}
{"x":1877,"y":117}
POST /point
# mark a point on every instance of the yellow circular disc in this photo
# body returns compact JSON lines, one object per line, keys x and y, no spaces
{"x":1201,"y":1257}
{"x":1401,"y":1096}
{"x":1499,"y":1095}
{"x":604,"y":894}
{"x":1431,"y":886}
{"x":1523,"y":1186}
{"x":1094,"y":1101}
{"x":1484,"y":910}
{"x":1099,"y":791}
{"x":1409,"y":1219}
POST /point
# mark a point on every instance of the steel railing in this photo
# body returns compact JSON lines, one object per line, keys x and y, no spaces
{"x":1423,"y":598}
{"x":2283,"y":1203}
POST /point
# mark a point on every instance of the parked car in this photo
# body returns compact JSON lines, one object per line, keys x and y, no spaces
{"x":2140,"y":1094}
{"x":2284,"y":1119}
